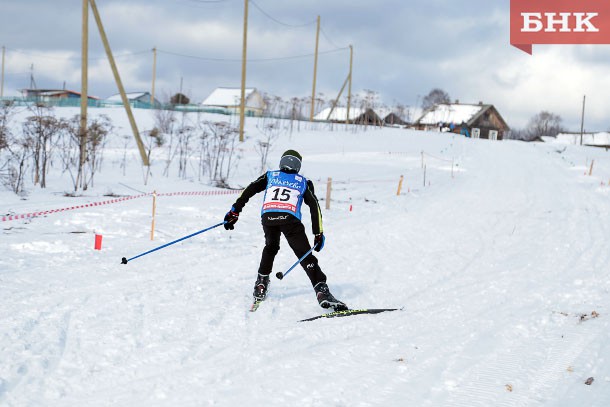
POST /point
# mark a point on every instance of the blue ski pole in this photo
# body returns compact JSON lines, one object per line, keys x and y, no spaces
{"x":281,"y":275}
{"x":125,"y":260}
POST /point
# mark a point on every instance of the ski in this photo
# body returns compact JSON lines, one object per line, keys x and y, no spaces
{"x":255,"y":305}
{"x":349,"y":312}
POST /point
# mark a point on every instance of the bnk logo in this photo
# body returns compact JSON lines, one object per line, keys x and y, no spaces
{"x":559,"y":22}
{"x":563,"y":22}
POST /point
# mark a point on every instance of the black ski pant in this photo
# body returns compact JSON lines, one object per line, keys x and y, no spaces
{"x":297,"y":239}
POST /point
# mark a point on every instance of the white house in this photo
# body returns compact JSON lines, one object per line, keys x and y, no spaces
{"x":229,"y":101}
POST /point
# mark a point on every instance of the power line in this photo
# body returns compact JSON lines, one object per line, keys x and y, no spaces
{"x":33,"y":54}
{"x":328,"y":39}
{"x":278,"y":21}
{"x":251,"y":60}
{"x":212,"y":59}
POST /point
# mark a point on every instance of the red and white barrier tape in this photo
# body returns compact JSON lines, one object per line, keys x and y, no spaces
{"x":207,"y":193}
{"x":42,"y":213}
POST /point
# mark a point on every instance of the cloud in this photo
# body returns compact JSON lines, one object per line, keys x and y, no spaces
{"x":401,"y":50}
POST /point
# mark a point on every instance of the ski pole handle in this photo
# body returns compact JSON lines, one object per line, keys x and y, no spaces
{"x":281,"y":275}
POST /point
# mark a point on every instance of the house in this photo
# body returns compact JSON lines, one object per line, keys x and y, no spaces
{"x":50,"y":95}
{"x":338,"y":114}
{"x":136,"y":99}
{"x":476,"y":121}
{"x":368,"y":116}
{"x":228,"y":100}
{"x":357,"y":115}
{"x":393,"y":119}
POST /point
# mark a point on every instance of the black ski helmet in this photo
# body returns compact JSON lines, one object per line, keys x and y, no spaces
{"x":291,"y":161}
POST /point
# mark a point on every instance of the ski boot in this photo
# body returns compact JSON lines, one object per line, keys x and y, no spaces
{"x":326,"y":299}
{"x":260,"y":288}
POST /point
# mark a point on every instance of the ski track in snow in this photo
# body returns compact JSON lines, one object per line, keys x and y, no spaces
{"x":494,"y":268}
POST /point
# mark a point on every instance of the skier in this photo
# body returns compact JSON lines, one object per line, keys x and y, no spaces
{"x":285,"y":191}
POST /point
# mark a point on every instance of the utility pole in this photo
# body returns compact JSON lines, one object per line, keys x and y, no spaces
{"x":349,"y":88}
{"x":84,"y":92}
{"x":154,"y":76}
{"x":2,"y":80}
{"x":32,"y":81}
{"x":582,"y":119}
{"x":315,"y":72}
{"x":242,"y":107}
{"x":117,"y":78}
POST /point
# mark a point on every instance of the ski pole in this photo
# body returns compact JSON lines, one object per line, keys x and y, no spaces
{"x":125,"y":260}
{"x":281,"y":275}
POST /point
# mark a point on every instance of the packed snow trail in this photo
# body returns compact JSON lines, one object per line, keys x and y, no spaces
{"x":494,"y":267}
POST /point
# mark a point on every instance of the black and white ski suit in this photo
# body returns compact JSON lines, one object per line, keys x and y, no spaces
{"x":275,"y":223}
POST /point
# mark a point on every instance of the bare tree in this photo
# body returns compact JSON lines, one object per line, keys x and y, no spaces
{"x":41,"y":130}
{"x":270,"y":134}
{"x":7,"y":111}
{"x":295,"y":111}
{"x":435,"y":97}
{"x":183,"y":135}
{"x":218,"y":150}
{"x":544,"y":124}
{"x":16,"y":165}
{"x":97,"y":133}
{"x":179,"y":99}
{"x":401,"y":110}
{"x":165,"y":123}
{"x":370,"y":99}
{"x":98,"y":130}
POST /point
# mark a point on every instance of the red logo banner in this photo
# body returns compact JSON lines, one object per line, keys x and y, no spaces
{"x":559,"y":22}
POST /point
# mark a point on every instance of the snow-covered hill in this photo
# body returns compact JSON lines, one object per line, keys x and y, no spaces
{"x":500,"y":261}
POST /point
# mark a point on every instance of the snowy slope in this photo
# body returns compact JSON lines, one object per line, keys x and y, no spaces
{"x":494,"y":267}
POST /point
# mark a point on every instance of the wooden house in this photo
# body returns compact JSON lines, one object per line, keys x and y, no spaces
{"x":476,"y":121}
{"x":393,"y":119}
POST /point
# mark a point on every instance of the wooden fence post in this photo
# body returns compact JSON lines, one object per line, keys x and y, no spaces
{"x":424,"y":176}
{"x":329,"y":184}
{"x":154,"y":209}
{"x":400,"y":184}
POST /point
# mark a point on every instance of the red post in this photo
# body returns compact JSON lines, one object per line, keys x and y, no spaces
{"x":98,"y":242}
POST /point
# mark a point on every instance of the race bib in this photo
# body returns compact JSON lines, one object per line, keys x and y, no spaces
{"x":284,"y":193}
{"x":281,"y":199}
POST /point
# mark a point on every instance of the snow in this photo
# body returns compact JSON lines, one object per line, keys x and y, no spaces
{"x":590,"y":139}
{"x":226,"y":97}
{"x":130,"y":96}
{"x":454,"y":113}
{"x":339,"y":113}
{"x":499,"y":261}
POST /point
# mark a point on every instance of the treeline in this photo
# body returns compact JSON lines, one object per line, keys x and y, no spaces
{"x":42,"y":144}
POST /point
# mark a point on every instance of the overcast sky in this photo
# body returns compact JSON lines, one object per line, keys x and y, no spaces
{"x":402,"y":50}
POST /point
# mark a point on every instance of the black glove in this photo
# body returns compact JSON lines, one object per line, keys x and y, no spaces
{"x":318,"y":242}
{"x":230,"y":219}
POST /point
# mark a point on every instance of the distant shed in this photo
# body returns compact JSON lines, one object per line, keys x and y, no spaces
{"x":134,"y":98}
